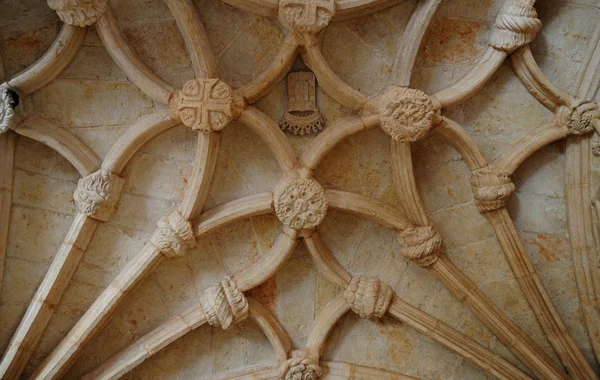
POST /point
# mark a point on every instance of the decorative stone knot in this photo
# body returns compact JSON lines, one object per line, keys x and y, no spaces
{"x":368,"y":297}
{"x":9,"y":100}
{"x":407,"y":114}
{"x":204,"y":104}
{"x":491,"y":188}
{"x":302,"y":367}
{"x":300,"y":203}
{"x":516,"y":25}
{"x":306,"y":15}
{"x":224,"y":304}
{"x":583,"y":117}
{"x":98,"y":193}
{"x":420,"y":244}
{"x":174,"y":235}
{"x":80,"y":13}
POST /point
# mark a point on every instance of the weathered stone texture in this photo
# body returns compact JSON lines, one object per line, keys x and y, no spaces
{"x":95,"y":100}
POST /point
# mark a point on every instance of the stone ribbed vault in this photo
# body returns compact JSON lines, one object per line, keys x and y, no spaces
{"x":208,"y":105}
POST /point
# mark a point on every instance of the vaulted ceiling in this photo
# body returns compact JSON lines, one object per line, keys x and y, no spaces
{"x":299,"y":189}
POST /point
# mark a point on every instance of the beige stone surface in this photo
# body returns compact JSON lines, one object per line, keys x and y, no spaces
{"x":93,"y":99}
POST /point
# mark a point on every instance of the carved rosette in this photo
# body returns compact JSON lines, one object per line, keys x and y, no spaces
{"x":224,"y":304}
{"x":516,"y":25}
{"x":583,"y":117}
{"x":368,"y":297}
{"x":80,"y":13}
{"x":174,"y":235}
{"x":8,"y":101}
{"x":491,"y":188}
{"x":407,"y":114}
{"x":98,"y":193}
{"x":300,"y":203}
{"x":420,"y":244}
{"x":306,"y":15}
{"x":204,"y":104}
{"x":302,"y":367}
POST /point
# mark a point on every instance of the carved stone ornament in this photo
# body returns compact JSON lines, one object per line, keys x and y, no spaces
{"x":302,"y":367}
{"x":306,"y":15}
{"x":596,"y":147}
{"x":80,"y":13}
{"x":406,"y":114}
{"x":98,"y":193}
{"x":174,"y":235}
{"x":368,"y":297}
{"x":204,"y":104}
{"x":300,"y":203}
{"x":516,"y":25}
{"x":302,"y":116}
{"x":8,"y":101}
{"x":224,"y":304}
{"x":420,"y":244}
{"x":491,"y":188}
{"x":584,"y":117}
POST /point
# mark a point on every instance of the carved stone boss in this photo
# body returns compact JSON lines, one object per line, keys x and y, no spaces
{"x":306,"y":15}
{"x":98,"y":193}
{"x":407,"y":114}
{"x":8,"y":102}
{"x":302,"y":116}
{"x":80,"y":13}
{"x":203,"y":104}
{"x":300,"y":203}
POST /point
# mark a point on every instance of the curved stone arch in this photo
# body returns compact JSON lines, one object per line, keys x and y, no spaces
{"x":515,"y":27}
{"x":126,"y":359}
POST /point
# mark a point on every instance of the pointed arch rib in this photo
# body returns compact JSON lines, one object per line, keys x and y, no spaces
{"x":62,"y":141}
{"x":141,"y":132}
{"x":197,"y":44}
{"x":585,"y":245}
{"x":371,"y":209}
{"x":330,"y":82}
{"x":52,"y":63}
{"x":99,"y":313}
{"x":474,"y":80}
{"x":327,"y":140}
{"x":281,"y":65}
{"x":133,"y":355}
{"x":411,"y":41}
{"x":272,"y":135}
{"x":176,"y":327}
{"x":128,"y":60}
{"x":233,"y":211}
{"x":534,"y":80}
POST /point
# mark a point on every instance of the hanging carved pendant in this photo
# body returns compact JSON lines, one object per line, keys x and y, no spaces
{"x":302,"y":116}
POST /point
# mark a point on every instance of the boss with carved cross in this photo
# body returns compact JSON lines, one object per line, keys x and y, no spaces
{"x":306,"y":15}
{"x":204,"y":104}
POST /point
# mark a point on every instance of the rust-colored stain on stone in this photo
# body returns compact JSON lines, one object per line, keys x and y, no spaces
{"x":266,"y":293}
{"x":451,"y":40}
{"x":551,"y":248}
{"x":21,"y":50}
{"x":33,"y":40}
{"x":403,"y":344}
